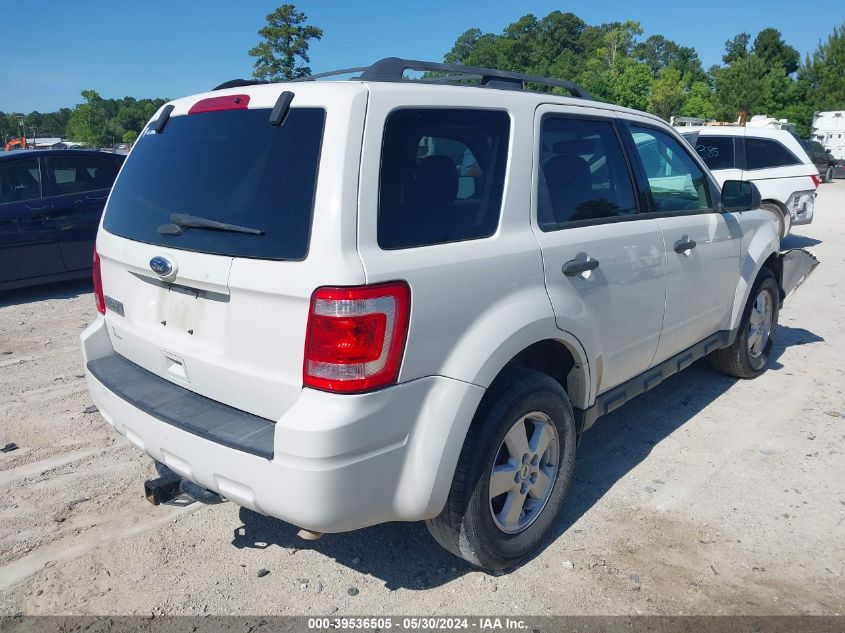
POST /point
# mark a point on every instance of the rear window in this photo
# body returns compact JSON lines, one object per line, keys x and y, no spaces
{"x":761,"y":153}
{"x":231,"y":167}
{"x":716,"y":151}
{"x":442,"y":176}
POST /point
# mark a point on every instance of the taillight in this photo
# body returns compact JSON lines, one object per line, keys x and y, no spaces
{"x":98,"y":285}
{"x":215,"y":104}
{"x":356,"y":337}
{"x":816,"y":180}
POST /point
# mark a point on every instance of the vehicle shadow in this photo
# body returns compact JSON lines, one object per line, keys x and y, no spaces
{"x":56,"y":290}
{"x":403,"y":555}
{"x":798,"y":241}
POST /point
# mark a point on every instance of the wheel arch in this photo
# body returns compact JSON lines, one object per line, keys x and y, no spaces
{"x":539,"y":345}
{"x":542,"y":346}
{"x":762,"y":251}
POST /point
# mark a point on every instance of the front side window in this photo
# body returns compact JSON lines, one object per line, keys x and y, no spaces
{"x":583,"y":174}
{"x":762,"y":153}
{"x":675,"y":180}
{"x":76,"y":174}
{"x":442,"y":176}
{"x":717,"y":152}
{"x":20,"y":180}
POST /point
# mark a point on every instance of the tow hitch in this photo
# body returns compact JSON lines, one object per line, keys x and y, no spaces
{"x":169,"y":485}
{"x":162,"y":490}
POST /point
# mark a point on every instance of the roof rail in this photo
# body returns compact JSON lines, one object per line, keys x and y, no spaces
{"x":237,"y":83}
{"x":393,"y":69}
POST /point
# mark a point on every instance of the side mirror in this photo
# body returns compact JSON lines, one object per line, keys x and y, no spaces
{"x":740,"y":195}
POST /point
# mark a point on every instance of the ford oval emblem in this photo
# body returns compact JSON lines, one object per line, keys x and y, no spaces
{"x":162,"y":266}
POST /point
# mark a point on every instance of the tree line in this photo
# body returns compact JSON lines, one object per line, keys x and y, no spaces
{"x":96,"y":121}
{"x":614,"y":62}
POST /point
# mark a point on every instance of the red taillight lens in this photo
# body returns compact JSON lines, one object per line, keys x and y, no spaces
{"x":215,"y":104}
{"x":816,"y":180}
{"x":98,"y":285}
{"x":356,"y":337}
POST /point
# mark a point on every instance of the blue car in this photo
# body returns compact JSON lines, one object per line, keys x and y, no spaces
{"x":50,"y":207}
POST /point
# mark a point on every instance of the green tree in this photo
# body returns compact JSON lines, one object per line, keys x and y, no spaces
{"x":130,"y":136}
{"x":611,"y":74}
{"x":667,"y":93}
{"x":822,"y":78}
{"x":87,"y":121}
{"x":736,"y":48}
{"x":633,"y":86}
{"x":659,"y":53}
{"x":775,"y":53}
{"x":282,"y":53}
{"x":699,"y":101}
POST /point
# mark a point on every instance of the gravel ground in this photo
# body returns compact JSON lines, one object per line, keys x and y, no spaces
{"x":706,"y":495}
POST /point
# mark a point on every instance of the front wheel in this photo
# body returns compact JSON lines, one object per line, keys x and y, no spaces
{"x":748,"y":356}
{"x":513,"y":473}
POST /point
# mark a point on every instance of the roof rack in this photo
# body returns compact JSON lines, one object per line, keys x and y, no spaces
{"x":237,"y":83}
{"x":393,"y":69}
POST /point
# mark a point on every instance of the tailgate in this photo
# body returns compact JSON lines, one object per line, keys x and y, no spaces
{"x":206,"y":249}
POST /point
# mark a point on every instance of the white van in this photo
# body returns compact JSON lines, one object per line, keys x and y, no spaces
{"x":772,"y":159}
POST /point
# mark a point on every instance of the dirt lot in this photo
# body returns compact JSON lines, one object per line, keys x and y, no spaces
{"x":706,"y":495}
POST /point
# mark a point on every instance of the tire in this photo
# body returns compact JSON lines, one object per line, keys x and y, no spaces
{"x":828,"y":175}
{"x":783,"y":219}
{"x":468,"y":526}
{"x":741,"y":360}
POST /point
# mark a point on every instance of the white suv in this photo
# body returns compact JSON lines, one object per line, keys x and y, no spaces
{"x":772,"y":159}
{"x":342,"y":303}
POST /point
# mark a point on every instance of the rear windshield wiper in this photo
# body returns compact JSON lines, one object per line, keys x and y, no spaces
{"x":179,"y":221}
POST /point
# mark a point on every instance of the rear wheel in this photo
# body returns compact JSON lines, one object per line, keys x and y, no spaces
{"x":828,"y":175}
{"x":783,"y":220}
{"x":749,"y":354}
{"x":513,"y":473}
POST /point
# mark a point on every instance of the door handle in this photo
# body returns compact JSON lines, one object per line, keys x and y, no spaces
{"x":37,"y":219}
{"x":684,"y":245}
{"x":77,"y":205}
{"x":574,"y":267}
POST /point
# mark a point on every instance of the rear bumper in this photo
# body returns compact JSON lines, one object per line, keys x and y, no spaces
{"x":339,"y":462}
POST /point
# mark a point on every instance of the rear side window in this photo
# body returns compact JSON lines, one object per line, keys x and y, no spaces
{"x":232,"y":167}
{"x":676,"y":182}
{"x":717,"y":152}
{"x":76,"y":174}
{"x":583,"y":174}
{"x":19,"y":180}
{"x":442,"y":176}
{"x":761,"y":153}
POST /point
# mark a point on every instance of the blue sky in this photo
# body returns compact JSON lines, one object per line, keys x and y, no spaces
{"x":169,"y":49}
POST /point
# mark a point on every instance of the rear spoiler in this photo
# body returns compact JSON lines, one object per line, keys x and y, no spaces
{"x":796,"y":264}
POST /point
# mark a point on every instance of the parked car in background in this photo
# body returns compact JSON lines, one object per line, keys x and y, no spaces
{"x":821,"y":157}
{"x":829,"y":130}
{"x":343,"y":303}
{"x":772,"y":159}
{"x":50,"y":207}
